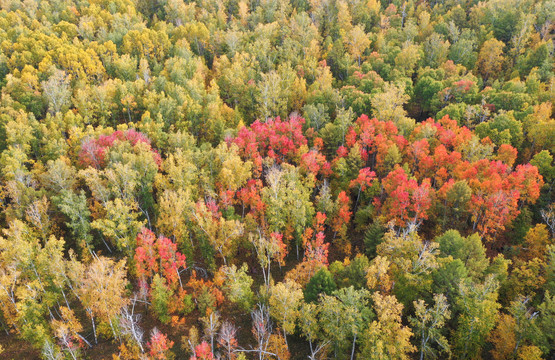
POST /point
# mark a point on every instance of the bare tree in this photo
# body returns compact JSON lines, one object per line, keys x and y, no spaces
{"x":548,"y":216}
{"x":129,"y":324}
{"x":227,"y":338}
{"x":211,"y":325}
{"x":261,"y":329}
{"x":50,"y":352}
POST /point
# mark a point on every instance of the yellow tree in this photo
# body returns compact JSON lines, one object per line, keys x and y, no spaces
{"x":388,"y":106}
{"x":407,"y":59}
{"x":387,"y":338}
{"x":490,"y":59}
{"x":102,"y":289}
{"x":378,"y":275}
{"x":412,"y":261}
{"x":285,"y":300}
{"x":173,"y":210}
{"x":67,"y":331}
{"x":514,"y":330}
{"x":358,"y":41}
{"x":121,"y":224}
{"x":536,"y":241}
{"x":221,"y":233}
{"x":57,"y":90}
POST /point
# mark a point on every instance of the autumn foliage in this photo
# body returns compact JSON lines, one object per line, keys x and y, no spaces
{"x":266,"y":180}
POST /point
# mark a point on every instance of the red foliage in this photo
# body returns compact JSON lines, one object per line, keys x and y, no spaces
{"x":277,"y":238}
{"x":507,"y":154}
{"x":279,"y":140}
{"x":434,"y":152}
{"x":203,"y":352}
{"x":201,"y":286}
{"x":407,"y":202}
{"x":159,"y":345}
{"x":154,"y":255}
{"x":343,"y":215}
{"x":364,"y":179}
{"x":463,"y":85}
{"x":315,"y":247}
{"x":249,"y":197}
{"x":317,"y":250}
{"x":434,"y":155}
{"x":93,"y":151}
{"x":315,"y":163}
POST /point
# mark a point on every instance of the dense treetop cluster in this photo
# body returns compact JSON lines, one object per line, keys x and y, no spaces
{"x":274,"y":179}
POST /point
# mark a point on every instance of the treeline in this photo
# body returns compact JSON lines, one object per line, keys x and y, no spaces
{"x":277,"y":179}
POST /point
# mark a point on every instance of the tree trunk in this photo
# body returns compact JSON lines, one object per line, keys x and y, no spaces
{"x":353,"y":348}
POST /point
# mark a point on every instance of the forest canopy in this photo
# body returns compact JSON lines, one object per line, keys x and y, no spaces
{"x":274,"y":179}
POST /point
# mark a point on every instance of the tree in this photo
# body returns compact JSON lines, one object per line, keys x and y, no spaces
{"x":407,"y":203}
{"x":102,"y":289}
{"x":271,"y":96}
{"x":285,"y":299}
{"x":211,"y":324}
{"x":129,"y":324}
{"x":268,"y":249}
{"x":388,"y":106}
{"x":343,"y":315}
{"x":67,"y":331}
{"x":227,"y":339}
{"x":412,"y":262}
{"x":515,"y":329}
{"x":477,"y":307}
{"x":158,"y":256}
{"x":287,"y":198}
{"x":220,"y":232}
{"x":546,"y":322}
{"x":202,"y":352}
{"x":159,"y":346}
{"x":469,"y":250}
{"x":378,"y":275}
{"x":261,"y":329}
{"x":160,"y":294}
{"x":237,"y":285}
{"x":57,"y":90}
{"x":436,"y":50}
{"x":321,"y":283}
{"x":358,"y":42}
{"x":316,"y":249}
{"x":503,"y":337}
{"x":457,"y":196}
{"x":548,"y":216}
{"x":428,"y":325}
{"x":120,"y":225}
{"x":490,"y":59}
{"x":309,"y":327}
{"x":173,"y":207}
{"x":536,"y":241}
{"x":386,"y":337}
{"x":407,"y":59}
{"x":340,"y":222}
{"x":74,"y":206}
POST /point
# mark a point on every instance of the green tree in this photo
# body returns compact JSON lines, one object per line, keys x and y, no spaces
{"x":469,"y":250}
{"x":160,"y":295}
{"x":477,"y":309}
{"x":237,"y":286}
{"x":321,"y":283}
{"x":428,"y":326}
{"x":344,"y":315}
